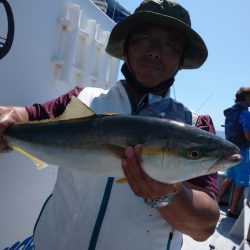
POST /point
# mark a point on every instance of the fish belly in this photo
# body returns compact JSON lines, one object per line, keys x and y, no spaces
{"x":99,"y":161}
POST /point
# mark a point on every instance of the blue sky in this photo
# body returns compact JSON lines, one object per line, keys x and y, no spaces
{"x":224,"y":26}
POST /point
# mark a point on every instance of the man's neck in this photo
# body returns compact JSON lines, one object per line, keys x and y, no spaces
{"x":137,"y":96}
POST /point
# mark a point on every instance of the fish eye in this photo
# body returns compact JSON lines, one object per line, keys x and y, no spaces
{"x":194,"y":154}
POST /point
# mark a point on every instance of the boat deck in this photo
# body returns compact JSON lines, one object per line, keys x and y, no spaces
{"x":230,"y":234}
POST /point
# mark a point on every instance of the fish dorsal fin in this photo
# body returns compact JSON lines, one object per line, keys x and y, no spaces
{"x":75,"y":109}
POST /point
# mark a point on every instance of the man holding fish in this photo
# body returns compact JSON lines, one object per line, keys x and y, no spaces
{"x":93,"y":209}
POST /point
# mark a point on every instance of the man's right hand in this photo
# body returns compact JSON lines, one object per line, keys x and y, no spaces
{"x":8,"y":116}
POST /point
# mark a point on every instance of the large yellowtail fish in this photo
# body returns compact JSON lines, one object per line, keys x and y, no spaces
{"x":84,"y":141}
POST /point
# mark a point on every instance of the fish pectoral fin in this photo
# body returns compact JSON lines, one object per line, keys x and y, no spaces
{"x":121,"y":181}
{"x":40,"y":164}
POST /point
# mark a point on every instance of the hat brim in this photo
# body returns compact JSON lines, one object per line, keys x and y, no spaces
{"x":196,"y":50}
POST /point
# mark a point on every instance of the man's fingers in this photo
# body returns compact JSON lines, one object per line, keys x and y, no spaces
{"x":133,"y":171}
{"x":138,"y":149}
{"x":133,"y":164}
{"x":4,"y":148}
{"x":139,"y":181}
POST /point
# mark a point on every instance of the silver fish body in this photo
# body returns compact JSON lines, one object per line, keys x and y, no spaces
{"x":171,"y":151}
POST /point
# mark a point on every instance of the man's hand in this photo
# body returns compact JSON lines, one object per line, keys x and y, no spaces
{"x":195,"y":212}
{"x":139,"y":181}
{"x":8,"y":116}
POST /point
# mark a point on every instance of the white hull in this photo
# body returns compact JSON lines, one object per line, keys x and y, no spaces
{"x":57,"y":44}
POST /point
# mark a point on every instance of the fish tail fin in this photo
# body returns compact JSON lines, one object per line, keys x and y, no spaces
{"x":40,"y":164}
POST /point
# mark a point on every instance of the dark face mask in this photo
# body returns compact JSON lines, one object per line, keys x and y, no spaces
{"x":132,"y":81}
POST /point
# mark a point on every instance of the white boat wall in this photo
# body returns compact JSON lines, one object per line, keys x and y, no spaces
{"x":46,"y":48}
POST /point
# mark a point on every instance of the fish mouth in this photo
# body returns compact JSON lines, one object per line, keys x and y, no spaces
{"x":226,"y":162}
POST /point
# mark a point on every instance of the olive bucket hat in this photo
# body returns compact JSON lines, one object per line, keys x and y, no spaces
{"x":163,"y":12}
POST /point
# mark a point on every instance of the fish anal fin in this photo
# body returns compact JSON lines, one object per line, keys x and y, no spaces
{"x":121,"y":181}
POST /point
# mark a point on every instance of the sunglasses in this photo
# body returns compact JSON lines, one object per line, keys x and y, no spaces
{"x":166,"y":45}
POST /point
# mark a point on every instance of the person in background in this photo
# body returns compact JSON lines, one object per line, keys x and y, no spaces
{"x":237,"y":130}
{"x":93,"y":212}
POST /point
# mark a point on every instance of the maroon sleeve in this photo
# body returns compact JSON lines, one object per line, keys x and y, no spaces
{"x":51,"y":108}
{"x":207,"y":181}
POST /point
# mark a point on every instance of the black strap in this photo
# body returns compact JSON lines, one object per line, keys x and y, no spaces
{"x":40,"y":214}
{"x":170,"y":237}
{"x":102,"y":211}
{"x":165,"y":85}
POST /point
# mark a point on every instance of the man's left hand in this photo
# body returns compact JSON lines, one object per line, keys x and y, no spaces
{"x":139,"y":181}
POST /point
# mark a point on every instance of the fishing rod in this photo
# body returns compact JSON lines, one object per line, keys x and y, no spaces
{"x":205,"y":101}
